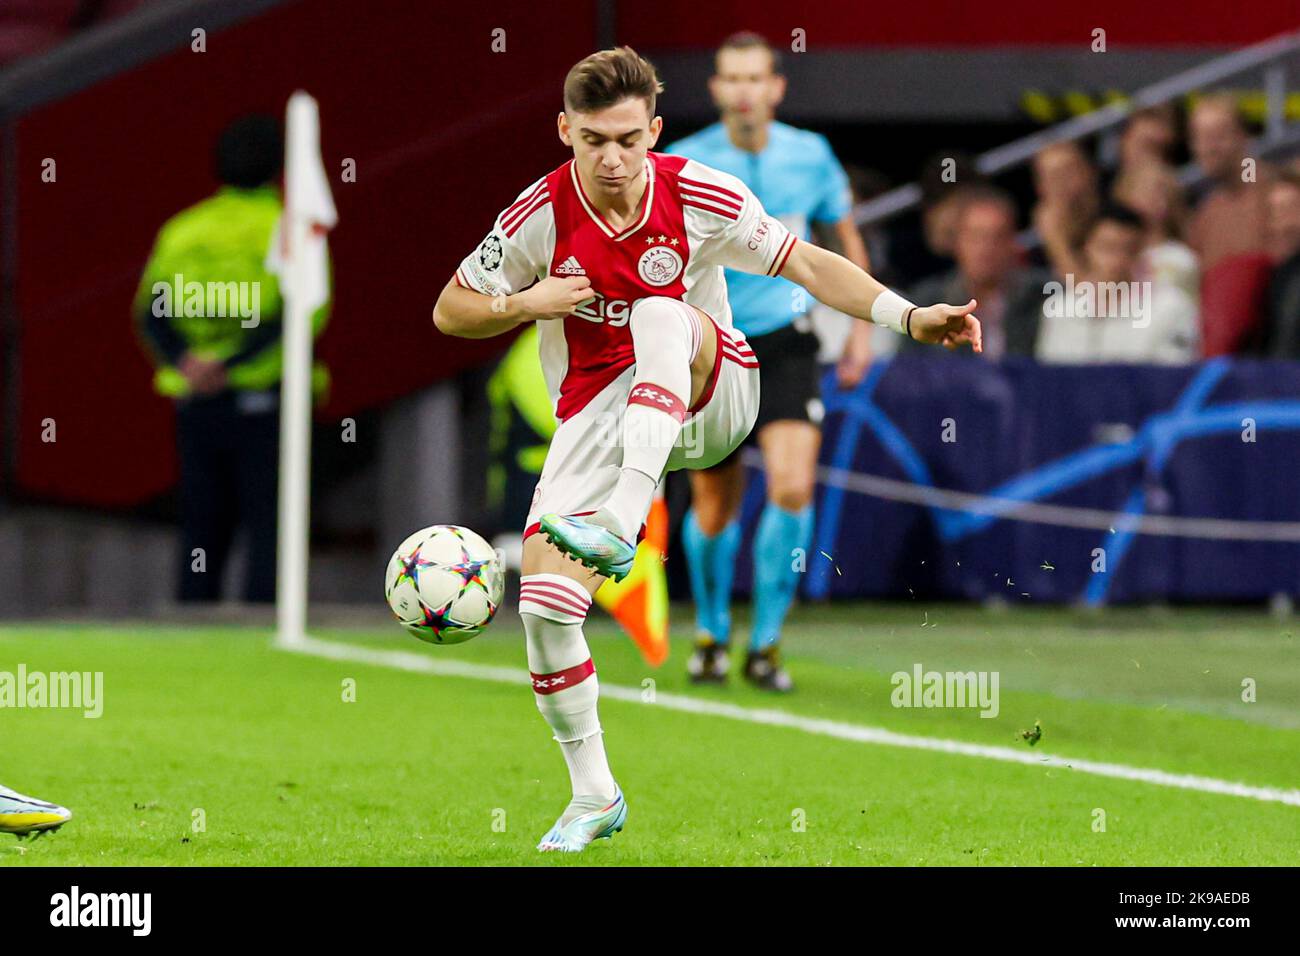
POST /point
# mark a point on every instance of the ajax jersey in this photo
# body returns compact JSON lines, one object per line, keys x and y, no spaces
{"x":695,"y":222}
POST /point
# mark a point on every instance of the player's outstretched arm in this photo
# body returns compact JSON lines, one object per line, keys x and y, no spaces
{"x":472,"y":315}
{"x":833,"y":280}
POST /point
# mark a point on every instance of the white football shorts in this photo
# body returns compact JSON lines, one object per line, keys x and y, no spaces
{"x":586,"y":451}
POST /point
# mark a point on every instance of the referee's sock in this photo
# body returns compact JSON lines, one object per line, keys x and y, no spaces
{"x":712,"y":563}
{"x":779,"y":533}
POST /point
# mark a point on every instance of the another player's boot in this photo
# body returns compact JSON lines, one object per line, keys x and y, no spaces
{"x":763,"y":669}
{"x":587,"y":819}
{"x":709,"y":663}
{"x":591,"y":541}
{"x":23,"y":815}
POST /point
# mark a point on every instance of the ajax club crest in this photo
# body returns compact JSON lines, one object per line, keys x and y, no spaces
{"x":659,"y":265}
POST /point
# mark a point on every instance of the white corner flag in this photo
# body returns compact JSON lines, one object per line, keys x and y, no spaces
{"x":299,"y":256}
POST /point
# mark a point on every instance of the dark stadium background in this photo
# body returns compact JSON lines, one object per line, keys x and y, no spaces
{"x":440,"y":143}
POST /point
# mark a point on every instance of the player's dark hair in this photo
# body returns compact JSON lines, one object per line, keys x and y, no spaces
{"x":1117,"y":212}
{"x":250,"y":152}
{"x":609,"y":77}
{"x":749,"y":40}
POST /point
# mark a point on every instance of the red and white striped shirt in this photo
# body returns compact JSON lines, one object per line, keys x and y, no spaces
{"x":694,"y":221}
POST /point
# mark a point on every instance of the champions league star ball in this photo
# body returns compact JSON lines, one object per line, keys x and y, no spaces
{"x":444,"y":583}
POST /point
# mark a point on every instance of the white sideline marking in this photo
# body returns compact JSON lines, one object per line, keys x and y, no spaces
{"x":411,"y":661}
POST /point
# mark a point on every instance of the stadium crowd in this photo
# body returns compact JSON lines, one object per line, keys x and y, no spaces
{"x":1127,"y":265}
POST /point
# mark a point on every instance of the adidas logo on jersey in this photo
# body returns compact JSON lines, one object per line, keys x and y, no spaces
{"x":570,"y":267}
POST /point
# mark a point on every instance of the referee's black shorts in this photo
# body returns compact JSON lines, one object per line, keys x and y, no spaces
{"x":790,"y":378}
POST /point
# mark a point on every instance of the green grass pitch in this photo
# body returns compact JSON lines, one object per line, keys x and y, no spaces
{"x":214,"y":726}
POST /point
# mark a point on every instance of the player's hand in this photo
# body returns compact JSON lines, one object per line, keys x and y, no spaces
{"x":853,"y":364}
{"x":556,"y":296}
{"x":947,"y":325}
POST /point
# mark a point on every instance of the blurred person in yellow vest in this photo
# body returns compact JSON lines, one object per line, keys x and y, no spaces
{"x":209,"y":313}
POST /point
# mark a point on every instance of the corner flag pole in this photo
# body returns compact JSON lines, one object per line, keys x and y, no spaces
{"x":299,"y":255}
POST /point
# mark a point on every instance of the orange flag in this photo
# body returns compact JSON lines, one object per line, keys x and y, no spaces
{"x":640,"y":601}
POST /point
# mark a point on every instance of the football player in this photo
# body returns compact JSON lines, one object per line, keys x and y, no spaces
{"x":618,"y":255}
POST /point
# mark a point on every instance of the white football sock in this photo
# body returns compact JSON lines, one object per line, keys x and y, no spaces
{"x":666,"y":336}
{"x":565,"y":687}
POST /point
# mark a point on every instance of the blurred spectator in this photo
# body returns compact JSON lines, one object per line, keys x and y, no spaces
{"x":1231,"y":217}
{"x":1068,"y":197}
{"x":1282,"y":305}
{"x":833,"y":327}
{"x":867,"y":184}
{"x":1151,"y":189}
{"x":922,"y":246}
{"x":1105,"y":313}
{"x":1229,"y":229}
{"x":209,"y":312}
{"x":31,"y":27}
{"x":1283,"y":228}
{"x":988,"y":269}
{"x":1149,"y":135}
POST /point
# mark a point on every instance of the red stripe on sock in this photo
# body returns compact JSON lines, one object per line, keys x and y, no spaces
{"x":576,"y":594}
{"x":551,"y":599}
{"x":653,"y":396}
{"x":558,"y":608}
{"x":569,"y":677}
{"x":553,"y":602}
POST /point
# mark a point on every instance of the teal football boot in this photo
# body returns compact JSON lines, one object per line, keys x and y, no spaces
{"x":602,"y":821}
{"x":591,"y":542}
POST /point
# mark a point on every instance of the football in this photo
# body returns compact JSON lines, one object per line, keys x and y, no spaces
{"x":445,"y":584}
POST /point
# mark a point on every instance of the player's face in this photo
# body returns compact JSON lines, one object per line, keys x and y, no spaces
{"x":744,"y":88}
{"x":609,"y":145}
